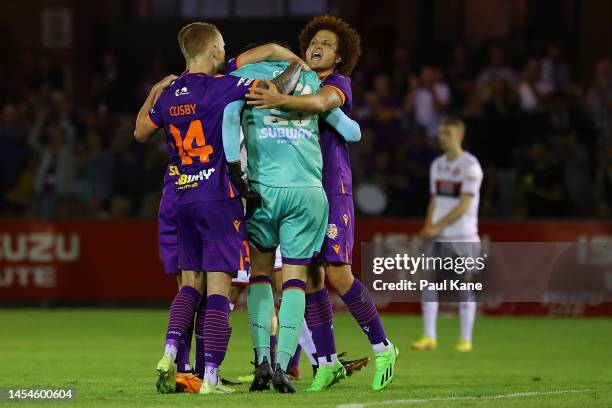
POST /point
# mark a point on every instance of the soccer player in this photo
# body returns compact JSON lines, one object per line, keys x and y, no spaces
{"x":212,"y":235}
{"x":284,"y":165}
{"x":331,"y":48}
{"x":451,"y":225}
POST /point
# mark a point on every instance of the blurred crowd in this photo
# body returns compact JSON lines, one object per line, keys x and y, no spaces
{"x":542,"y":134}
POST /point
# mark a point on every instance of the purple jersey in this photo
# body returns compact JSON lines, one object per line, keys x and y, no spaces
{"x":337,"y":177}
{"x":191,"y":111}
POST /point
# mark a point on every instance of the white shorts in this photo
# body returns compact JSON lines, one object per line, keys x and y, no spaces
{"x":242,"y":279}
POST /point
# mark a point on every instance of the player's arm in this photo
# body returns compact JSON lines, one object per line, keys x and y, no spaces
{"x":267,"y":52}
{"x":431,"y":229}
{"x":465,"y":200}
{"x":326,"y":99}
{"x":231,"y":147}
{"x":145,"y":127}
{"x":284,"y":83}
{"x":345,"y":126}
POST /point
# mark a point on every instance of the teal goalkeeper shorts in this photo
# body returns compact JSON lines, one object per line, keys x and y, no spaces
{"x":294,"y":218}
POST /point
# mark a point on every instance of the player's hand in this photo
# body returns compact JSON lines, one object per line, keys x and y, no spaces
{"x":429,"y":231}
{"x":304,"y":65}
{"x":265,"y":98}
{"x":253,"y":201}
{"x":164,"y":83}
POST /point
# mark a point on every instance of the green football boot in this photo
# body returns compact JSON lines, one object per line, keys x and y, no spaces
{"x":327,"y":376}
{"x":166,"y":375}
{"x":385,"y":368}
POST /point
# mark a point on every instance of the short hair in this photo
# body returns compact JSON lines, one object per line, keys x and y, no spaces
{"x":195,"y":37}
{"x":455,"y":122}
{"x":349,"y":42}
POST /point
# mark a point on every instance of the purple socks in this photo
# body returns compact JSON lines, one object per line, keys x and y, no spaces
{"x":319,"y":320}
{"x":183,"y":365}
{"x":199,"y":338}
{"x":217,"y":332}
{"x":362,"y":308}
{"x":181,"y":316}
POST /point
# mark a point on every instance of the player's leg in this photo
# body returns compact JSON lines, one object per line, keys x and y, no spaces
{"x":337,"y":252}
{"x":290,"y":317}
{"x":467,"y":315}
{"x":301,"y":230}
{"x":216,"y":330}
{"x":467,"y":300}
{"x":181,"y":317}
{"x":319,"y":315}
{"x":263,"y":236}
{"x":168,"y":252}
{"x":429,"y":307}
{"x":225,"y":252}
{"x":260,"y":305}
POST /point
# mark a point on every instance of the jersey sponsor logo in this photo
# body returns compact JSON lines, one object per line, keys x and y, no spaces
{"x":448,"y":188}
{"x":182,"y":91}
{"x":332,"y":231}
{"x":183,"y":110}
{"x":285,"y":133}
{"x":173,"y":171}
{"x":186,"y":181}
{"x":345,"y":217}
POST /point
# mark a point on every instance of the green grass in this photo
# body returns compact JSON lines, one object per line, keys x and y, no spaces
{"x":109,"y":357}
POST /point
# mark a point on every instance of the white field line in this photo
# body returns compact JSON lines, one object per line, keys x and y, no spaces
{"x":466,"y":398}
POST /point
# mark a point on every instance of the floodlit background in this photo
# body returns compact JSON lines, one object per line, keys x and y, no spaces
{"x":532,"y":79}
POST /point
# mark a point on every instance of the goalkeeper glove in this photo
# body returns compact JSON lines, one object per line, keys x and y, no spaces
{"x":252,"y":197}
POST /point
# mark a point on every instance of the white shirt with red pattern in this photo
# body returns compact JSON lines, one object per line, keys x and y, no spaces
{"x":448,"y":180}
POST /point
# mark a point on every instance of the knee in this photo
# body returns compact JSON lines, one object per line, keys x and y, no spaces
{"x":193,"y":279}
{"x":340,"y":277}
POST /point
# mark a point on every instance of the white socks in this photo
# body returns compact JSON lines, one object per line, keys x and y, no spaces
{"x":380,"y":347}
{"x":430,"y":315}
{"x":307,"y":344}
{"x":170,"y":349}
{"x":467,"y":315}
{"x":324,"y":363}
{"x":211,"y":374}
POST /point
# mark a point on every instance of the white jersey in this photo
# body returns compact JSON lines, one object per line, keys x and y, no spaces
{"x":448,"y":180}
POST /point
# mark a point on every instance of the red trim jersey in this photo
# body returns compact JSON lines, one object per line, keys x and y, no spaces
{"x":448,"y":180}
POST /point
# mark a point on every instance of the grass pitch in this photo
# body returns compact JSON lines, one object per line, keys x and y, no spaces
{"x":109,"y":358}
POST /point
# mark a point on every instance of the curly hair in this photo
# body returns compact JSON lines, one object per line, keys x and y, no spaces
{"x":349,"y":42}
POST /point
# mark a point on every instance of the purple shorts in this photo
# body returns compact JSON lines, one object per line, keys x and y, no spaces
{"x":212,"y":236}
{"x":340,"y":235}
{"x":166,"y":229}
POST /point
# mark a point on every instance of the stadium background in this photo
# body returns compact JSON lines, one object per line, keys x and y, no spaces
{"x":78,"y":196}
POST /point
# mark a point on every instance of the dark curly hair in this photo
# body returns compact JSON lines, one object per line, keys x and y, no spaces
{"x":349,"y":42}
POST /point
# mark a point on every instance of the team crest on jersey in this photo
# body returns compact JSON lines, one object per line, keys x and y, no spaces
{"x":345,"y":217}
{"x":237,"y":225}
{"x":456,"y":171}
{"x":332,"y":231}
{"x":182,"y":91}
{"x":336,"y":248}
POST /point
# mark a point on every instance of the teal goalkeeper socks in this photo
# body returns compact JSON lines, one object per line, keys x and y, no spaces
{"x":260,"y":304}
{"x":290,"y":317}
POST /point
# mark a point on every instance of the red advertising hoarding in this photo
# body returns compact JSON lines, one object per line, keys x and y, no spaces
{"x":118,"y":261}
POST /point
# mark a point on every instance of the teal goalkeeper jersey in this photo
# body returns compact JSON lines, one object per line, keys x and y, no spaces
{"x":282,"y":146}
